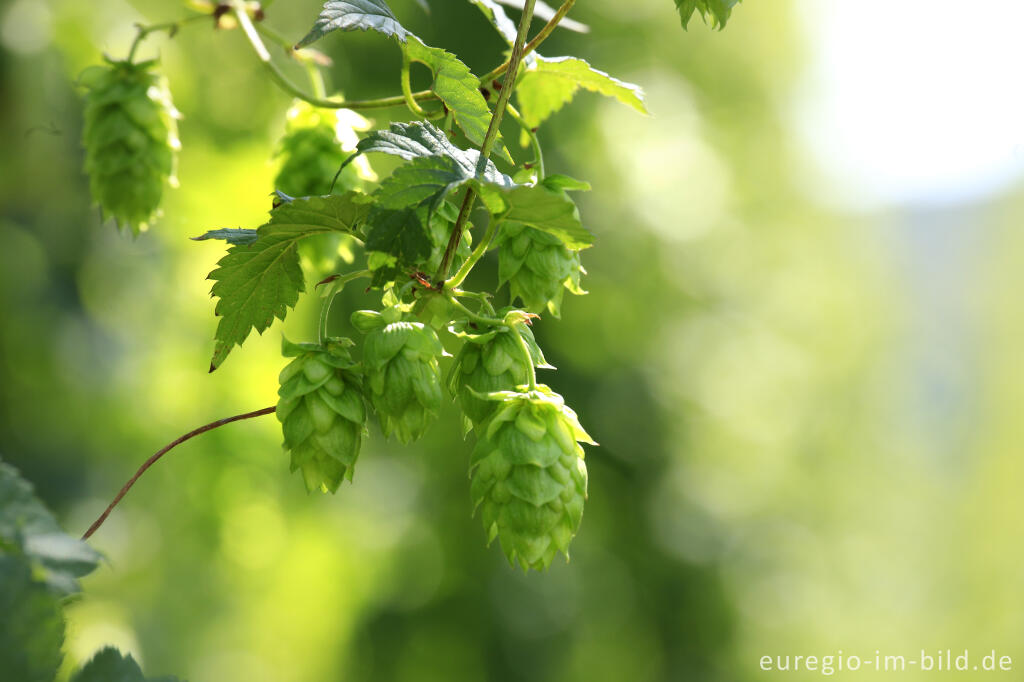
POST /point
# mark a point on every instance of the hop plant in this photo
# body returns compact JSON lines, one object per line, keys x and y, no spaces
{"x":315,"y":144}
{"x":130,"y":138}
{"x":528,"y":478}
{"x":492,"y":361}
{"x":402,"y":373}
{"x":322,"y":412}
{"x":538,"y":267}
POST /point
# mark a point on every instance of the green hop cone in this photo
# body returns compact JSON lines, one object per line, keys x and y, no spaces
{"x":315,"y":144}
{"x":131,"y":140}
{"x":528,"y":478}
{"x":538,"y":267}
{"x":402,"y":373}
{"x":492,"y":361}
{"x":322,"y":412}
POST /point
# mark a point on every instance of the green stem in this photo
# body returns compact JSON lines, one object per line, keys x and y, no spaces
{"x":531,"y":134}
{"x":537,"y":40}
{"x":489,"y":138}
{"x":475,"y":317}
{"x":170,"y":26}
{"x":410,"y":101}
{"x":532,"y":379}
{"x":478,"y":252}
{"x":282,"y":81}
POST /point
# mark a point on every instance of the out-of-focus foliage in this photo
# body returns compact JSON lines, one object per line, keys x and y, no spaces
{"x":744,"y":359}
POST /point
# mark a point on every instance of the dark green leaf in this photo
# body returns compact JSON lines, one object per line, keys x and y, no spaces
{"x":459,"y":89}
{"x":548,"y":84}
{"x":26,"y":524}
{"x":259,"y":281}
{"x":232,"y":235}
{"x":31,"y":625}
{"x":110,"y":666}
{"x":352,"y":15}
{"x":715,"y":12}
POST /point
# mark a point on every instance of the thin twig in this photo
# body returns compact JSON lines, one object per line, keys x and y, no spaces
{"x":163,"y":451}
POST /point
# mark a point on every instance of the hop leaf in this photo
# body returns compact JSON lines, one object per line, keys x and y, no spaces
{"x":528,"y":478}
{"x":322,"y":412}
{"x":130,"y":138}
{"x":538,"y":267}
{"x":489,"y":362}
{"x":402,"y":375}
{"x":315,"y":144}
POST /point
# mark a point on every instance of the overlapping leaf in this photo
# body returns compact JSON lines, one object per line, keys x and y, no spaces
{"x":549,"y":84}
{"x":353,"y":15}
{"x":550,"y":210}
{"x":715,"y":12}
{"x":459,"y":89}
{"x":259,"y":281}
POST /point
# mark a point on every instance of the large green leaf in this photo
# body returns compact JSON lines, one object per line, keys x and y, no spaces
{"x":110,"y":666}
{"x":459,"y":89}
{"x":352,"y":15}
{"x":423,"y":139}
{"x":31,"y":625}
{"x":548,"y":84}
{"x":715,"y":12}
{"x":550,"y":210}
{"x":258,"y":282}
{"x":26,"y":525}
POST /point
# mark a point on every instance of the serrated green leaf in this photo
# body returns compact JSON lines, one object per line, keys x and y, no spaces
{"x":232,"y":235}
{"x":459,"y":89}
{"x":548,"y":84}
{"x":258,"y":282}
{"x":27,"y":524}
{"x":550,"y":211}
{"x":715,"y":12}
{"x":353,"y":15}
{"x":31,"y":625}
{"x":109,"y":665}
{"x":423,"y":139}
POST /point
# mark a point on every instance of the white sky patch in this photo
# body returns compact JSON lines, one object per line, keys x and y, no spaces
{"x":914,"y":101}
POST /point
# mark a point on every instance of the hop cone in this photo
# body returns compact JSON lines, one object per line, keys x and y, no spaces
{"x":529,"y":481}
{"x":322,"y":412}
{"x":315,"y":144}
{"x":492,"y":361}
{"x":538,"y":267}
{"x":402,"y":374}
{"x":130,"y":138}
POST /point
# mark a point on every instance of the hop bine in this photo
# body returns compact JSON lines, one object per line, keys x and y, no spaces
{"x":402,"y":373}
{"x":322,"y":412}
{"x":130,"y":139}
{"x":528,"y":478}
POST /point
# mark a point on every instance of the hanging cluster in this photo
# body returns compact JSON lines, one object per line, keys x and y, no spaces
{"x":130,"y":138}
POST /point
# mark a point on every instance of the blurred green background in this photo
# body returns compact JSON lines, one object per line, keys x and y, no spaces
{"x":800,"y":354}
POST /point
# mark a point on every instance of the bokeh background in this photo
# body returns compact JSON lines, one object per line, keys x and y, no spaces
{"x":801,"y":354}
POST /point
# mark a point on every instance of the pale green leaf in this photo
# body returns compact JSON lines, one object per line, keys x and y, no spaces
{"x":548,"y":210}
{"x":548,"y":84}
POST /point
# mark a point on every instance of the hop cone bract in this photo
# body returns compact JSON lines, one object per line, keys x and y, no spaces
{"x":403,"y":376}
{"x":322,"y":412}
{"x":130,"y":138}
{"x":489,"y":362}
{"x":315,"y":144}
{"x":529,"y":481}
{"x":538,"y":267}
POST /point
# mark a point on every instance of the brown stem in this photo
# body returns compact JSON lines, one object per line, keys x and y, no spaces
{"x":163,"y":451}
